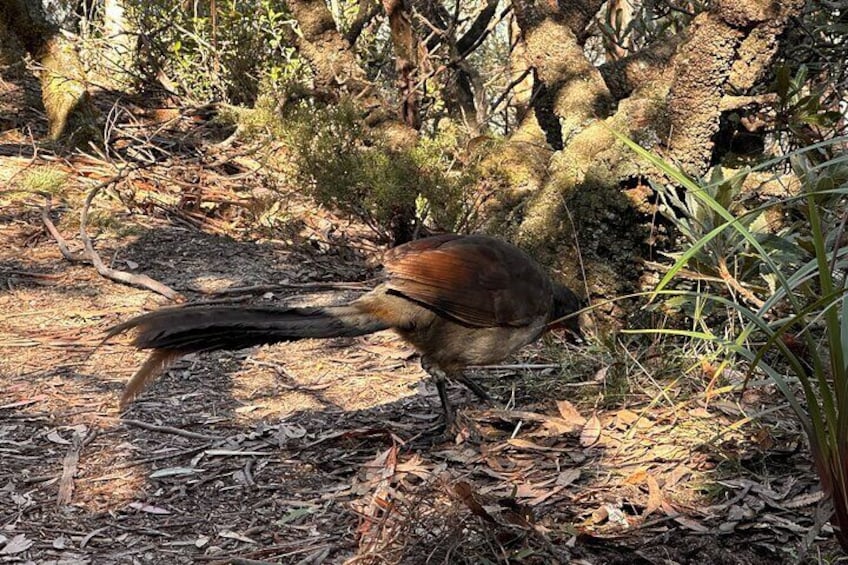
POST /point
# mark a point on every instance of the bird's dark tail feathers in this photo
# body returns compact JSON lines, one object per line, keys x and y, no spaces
{"x":172,"y":332}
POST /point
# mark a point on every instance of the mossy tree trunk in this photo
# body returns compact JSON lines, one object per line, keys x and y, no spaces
{"x":70,"y":114}
{"x":564,"y":156}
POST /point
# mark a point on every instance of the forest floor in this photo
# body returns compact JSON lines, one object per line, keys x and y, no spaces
{"x":315,"y":451}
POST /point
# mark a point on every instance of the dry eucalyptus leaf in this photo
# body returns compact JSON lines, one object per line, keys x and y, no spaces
{"x":569,"y":413}
{"x":236,"y":536}
{"x":148,"y":508}
{"x":591,"y":432}
{"x":17,"y":544}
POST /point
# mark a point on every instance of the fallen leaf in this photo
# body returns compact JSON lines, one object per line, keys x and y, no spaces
{"x":544,"y":496}
{"x":676,"y":475}
{"x":466,"y":494}
{"x":17,"y":544}
{"x":591,"y":432}
{"x":625,"y":418}
{"x":691,"y":524}
{"x":654,"y":496}
{"x":148,"y":508}
{"x":700,"y":412}
{"x":601,"y":374}
{"x":525,"y":444}
{"x":201,"y":541}
{"x":569,"y":413}
{"x":235,"y":535}
{"x":54,"y":437}
{"x":174,"y":471}
{"x":296,"y":513}
{"x":233,"y":453}
{"x":567,"y":477}
{"x":600,"y":515}
{"x":804,"y":500}
{"x":637,"y":477}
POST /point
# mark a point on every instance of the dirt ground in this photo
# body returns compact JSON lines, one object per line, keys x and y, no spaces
{"x":315,"y":451}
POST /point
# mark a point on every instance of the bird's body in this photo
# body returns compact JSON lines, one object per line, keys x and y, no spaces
{"x":459,"y":300}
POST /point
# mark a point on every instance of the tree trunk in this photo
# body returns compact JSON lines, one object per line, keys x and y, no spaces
{"x":121,"y":45}
{"x":672,"y":93}
{"x":66,"y":100}
{"x":406,"y":61}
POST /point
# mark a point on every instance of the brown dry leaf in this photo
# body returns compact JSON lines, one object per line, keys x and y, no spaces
{"x":466,"y":494}
{"x":567,"y":477}
{"x":415,"y":466}
{"x":691,"y":524}
{"x":591,"y":432}
{"x":569,"y":413}
{"x":684,"y":521}
{"x":637,"y":477}
{"x":678,"y":473}
{"x":544,"y":496}
{"x":655,"y":497}
{"x":600,"y":515}
{"x":625,"y":418}
{"x":236,"y":536}
{"x":601,"y":374}
{"x":556,"y":427}
{"x":764,"y":439}
{"x":700,"y":412}
{"x":804,"y":500}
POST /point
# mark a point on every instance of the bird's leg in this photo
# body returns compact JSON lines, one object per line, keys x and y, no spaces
{"x":440,"y":378}
{"x":477,"y":389}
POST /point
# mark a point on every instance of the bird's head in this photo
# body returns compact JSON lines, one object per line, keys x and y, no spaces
{"x":565,"y":304}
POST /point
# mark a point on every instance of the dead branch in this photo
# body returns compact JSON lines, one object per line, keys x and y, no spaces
{"x":114,"y":274}
{"x":51,"y":229}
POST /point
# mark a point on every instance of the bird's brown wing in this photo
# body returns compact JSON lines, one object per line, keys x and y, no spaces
{"x":475,"y":280}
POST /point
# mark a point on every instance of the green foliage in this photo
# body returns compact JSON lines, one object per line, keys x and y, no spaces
{"x":798,"y":335}
{"x":728,"y":254}
{"x":802,"y":108}
{"x":234,"y":56}
{"x":345,"y":166}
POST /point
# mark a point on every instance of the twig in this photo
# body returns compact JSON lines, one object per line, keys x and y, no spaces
{"x":48,"y":276}
{"x":69,"y":470}
{"x":263,"y":288}
{"x":733,"y":283}
{"x":155,"y":458}
{"x":51,"y":228}
{"x":69,"y":466}
{"x":169,"y":430}
{"x":519,"y":366}
{"x":117,"y":275}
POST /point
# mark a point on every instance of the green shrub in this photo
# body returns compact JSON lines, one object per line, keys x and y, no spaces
{"x":346,"y":166}
{"x":234,"y":57}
